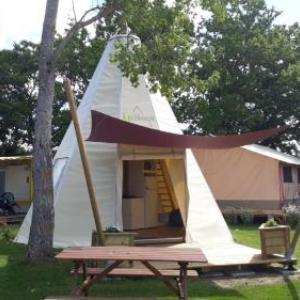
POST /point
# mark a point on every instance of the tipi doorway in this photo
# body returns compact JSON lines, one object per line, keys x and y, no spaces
{"x":147,"y":200}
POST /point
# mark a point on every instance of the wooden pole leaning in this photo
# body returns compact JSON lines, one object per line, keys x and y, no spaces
{"x":293,"y":244}
{"x":84,"y":160}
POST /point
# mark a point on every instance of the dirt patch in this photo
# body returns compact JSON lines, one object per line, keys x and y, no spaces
{"x":257,"y":279}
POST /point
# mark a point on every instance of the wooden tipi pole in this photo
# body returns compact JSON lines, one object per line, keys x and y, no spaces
{"x":84,"y":160}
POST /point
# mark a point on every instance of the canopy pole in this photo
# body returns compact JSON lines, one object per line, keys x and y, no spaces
{"x":293,"y":244}
{"x":84,"y":160}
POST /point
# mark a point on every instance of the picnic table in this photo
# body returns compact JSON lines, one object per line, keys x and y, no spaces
{"x":146,"y":255}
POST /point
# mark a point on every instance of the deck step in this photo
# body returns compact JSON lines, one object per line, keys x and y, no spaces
{"x":156,"y":241}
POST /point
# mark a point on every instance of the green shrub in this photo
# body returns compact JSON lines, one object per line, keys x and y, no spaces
{"x":231,"y":219}
{"x":270,"y":223}
{"x":292,"y":215}
{"x":246,"y":217}
{"x":7,"y":234}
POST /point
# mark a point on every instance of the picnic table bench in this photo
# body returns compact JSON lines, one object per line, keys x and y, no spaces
{"x":146,"y":255}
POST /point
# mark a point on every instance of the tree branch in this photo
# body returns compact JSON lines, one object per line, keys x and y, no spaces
{"x":74,"y":11}
{"x":103,"y":12}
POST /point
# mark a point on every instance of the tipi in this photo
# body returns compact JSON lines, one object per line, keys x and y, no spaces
{"x":111,"y":93}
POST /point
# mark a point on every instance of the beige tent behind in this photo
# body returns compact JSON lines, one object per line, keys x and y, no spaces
{"x":16,"y":177}
{"x":249,"y":177}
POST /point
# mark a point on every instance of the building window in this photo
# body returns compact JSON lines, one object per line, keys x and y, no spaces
{"x":287,"y":174}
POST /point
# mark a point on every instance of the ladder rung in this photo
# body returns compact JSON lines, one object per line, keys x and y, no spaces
{"x":166,"y":203}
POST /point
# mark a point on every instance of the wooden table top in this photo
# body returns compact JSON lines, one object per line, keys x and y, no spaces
{"x":123,"y":253}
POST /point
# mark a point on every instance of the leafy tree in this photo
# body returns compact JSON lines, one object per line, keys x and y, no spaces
{"x":248,"y":72}
{"x":166,"y":35}
{"x":18,"y":88}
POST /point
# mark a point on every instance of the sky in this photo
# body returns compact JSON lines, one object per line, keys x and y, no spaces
{"x":23,"y":19}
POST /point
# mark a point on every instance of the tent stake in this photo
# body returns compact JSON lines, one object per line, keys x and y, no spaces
{"x":84,"y":160}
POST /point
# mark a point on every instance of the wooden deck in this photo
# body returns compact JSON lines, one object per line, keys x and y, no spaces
{"x":221,"y":256}
{"x":239,"y":261}
{"x":236,"y":255}
{"x":12,"y":219}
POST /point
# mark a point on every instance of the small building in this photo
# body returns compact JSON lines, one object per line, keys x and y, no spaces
{"x":252,"y":177}
{"x":16,"y":177}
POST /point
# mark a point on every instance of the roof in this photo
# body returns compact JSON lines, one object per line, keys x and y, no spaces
{"x":15,"y":159}
{"x":271,"y":153}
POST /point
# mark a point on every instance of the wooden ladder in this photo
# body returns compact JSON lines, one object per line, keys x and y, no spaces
{"x":164,"y":190}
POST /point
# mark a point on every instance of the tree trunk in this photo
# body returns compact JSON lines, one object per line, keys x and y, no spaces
{"x":42,"y":224}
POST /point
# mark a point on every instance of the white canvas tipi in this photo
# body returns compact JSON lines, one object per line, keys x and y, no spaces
{"x":111,"y":93}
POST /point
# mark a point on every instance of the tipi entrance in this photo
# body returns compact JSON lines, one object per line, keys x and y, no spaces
{"x":148,"y":200}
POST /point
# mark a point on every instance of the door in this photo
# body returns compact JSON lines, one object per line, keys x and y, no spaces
{"x":2,"y":182}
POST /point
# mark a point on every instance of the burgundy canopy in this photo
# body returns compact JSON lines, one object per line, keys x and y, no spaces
{"x":112,"y":130}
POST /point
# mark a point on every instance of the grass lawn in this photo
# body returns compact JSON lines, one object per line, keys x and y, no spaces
{"x":21,"y":280}
{"x":249,"y":236}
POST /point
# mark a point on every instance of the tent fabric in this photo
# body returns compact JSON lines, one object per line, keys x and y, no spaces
{"x":205,"y":223}
{"x":239,"y":174}
{"x":112,"y":130}
{"x":249,"y":177}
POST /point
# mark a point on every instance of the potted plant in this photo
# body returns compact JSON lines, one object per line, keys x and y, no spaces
{"x":275,"y":238}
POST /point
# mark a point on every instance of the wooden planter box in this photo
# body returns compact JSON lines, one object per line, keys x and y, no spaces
{"x":115,"y":238}
{"x":274,"y":240}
